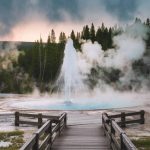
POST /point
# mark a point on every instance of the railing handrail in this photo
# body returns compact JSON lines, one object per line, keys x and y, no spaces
{"x":29,"y":143}
{"x":127,"y":114}
{"x":128,"y":142}
{"x":111,"y":127}
{"x":43,"y":128}
{"x":116,"y":127}
{"x":37,"y":115}
{"x":51,"y":130}
{"x":38,"y":122}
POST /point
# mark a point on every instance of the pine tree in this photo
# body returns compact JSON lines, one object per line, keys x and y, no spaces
{"x":62,"y":37}
{"x":86,"y":33}
{"x":148,"y":22}
{"x":148,"y":34}
{"x":82,"y":33}
{"x":40,"y":58}
{"x":110,"y":38}
{"x":138,"y":20}
{"x":78,"y":36}
{"x":53,"y":37}
{"x":48,"y":44}
{"x":103,"y":27}
{"x":49,"y":39}
{"x":92,"y":33}
{"x":105,"y":39}
{"x":99,"y":36}
{"x":72,"y":35}
{"x":77,"y":41}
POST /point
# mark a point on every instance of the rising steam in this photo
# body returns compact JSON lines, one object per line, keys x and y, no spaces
{"x":129,"y":47}
{"x":8,"y":55}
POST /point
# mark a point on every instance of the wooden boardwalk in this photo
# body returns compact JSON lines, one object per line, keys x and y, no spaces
{"x":86,"y":134}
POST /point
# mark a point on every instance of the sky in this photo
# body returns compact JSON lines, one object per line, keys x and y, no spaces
{"x":26,"y":20}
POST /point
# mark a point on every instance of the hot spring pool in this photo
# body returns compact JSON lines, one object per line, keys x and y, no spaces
{"x":105,"y":101}
{"x":70,"y":105}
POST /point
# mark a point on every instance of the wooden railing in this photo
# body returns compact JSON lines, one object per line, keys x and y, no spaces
{"x":117,"y":137}
{"x":124,"y":118}
{"x":24,"y":118}
{"x":46,"y":135}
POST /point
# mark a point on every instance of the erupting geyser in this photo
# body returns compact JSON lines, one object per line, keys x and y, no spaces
{"x":70,"y":77}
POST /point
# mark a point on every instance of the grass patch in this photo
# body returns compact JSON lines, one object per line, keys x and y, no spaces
{"x":14,"y":137}
{"x":142,"y":143}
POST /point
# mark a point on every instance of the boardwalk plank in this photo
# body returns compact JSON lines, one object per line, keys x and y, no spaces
{"x":80,"y":135}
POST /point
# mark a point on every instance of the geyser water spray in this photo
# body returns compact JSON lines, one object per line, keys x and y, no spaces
{"x":70,"y":77}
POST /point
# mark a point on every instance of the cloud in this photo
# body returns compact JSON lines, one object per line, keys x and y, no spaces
{"x":71,"y":12}
{"x":30,"y":30}
{"x":123,"y":9}
{"x":14,"y":11}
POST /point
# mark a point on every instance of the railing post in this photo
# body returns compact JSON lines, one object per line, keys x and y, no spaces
{"x":112,"y":132}
{"x":123,"y":119}
{"x":40,"y":120}
{"x":59,"y":127}
{"x":59,"y":124}
{"x":17,"y":118}
{"x":65,"y":120}
{"x":122,"y":146}
{"x":36,"y":145}
{"x":142,"y":117}
{"x":50,"y":132}
{"x":103,"y":125}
